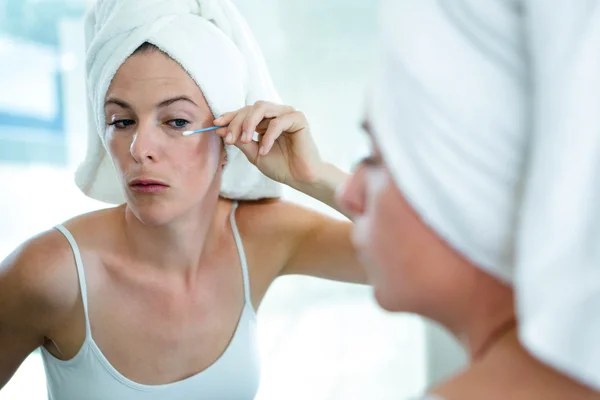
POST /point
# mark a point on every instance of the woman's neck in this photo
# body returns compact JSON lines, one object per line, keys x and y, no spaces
{"x":181,"y":243}
{"x":483,"y":319}
{"x":483,"y":313}
{"x":506,"y":370}
{"x":480,"y":347}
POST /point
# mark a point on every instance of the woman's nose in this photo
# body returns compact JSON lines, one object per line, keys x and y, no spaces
{"x":350,"y":196}
{"x":144,"y":146}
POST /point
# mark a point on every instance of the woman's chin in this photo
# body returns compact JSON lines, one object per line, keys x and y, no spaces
{"x":152,"y":214}
{"x":384,"y":299}
{"x":392,"y":298}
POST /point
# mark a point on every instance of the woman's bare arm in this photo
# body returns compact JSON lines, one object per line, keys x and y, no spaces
{"x":294,"y":240}
{"x":34,"y":295}
{"x":323,"y":248}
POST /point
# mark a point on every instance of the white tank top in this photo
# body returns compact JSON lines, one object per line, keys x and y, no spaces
{"x":90,"y":376}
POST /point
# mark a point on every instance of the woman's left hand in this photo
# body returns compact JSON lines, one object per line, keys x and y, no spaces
{"x":285,"y":151}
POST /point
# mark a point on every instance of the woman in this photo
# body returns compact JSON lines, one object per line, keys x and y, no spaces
{"x":156,"y":298}
{"x":481,"y":193}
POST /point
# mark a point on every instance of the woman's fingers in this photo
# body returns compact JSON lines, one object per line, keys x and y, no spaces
{"x":225,"y":118}
{"x":286,"y":123}
{"x":234,"y":130}
{"x":221,"y":132}
{"x":261,"y":111}
{"x":255,"y":116}
{"x":249,"y":149}
{"x":270,"y":118}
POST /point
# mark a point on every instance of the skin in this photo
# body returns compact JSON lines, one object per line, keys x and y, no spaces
{"x":413,"y":270}
{"x":163,"y":276}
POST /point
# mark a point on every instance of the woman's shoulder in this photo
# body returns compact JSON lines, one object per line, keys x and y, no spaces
{"x":277,"y":216}
{"x":39,"y":278}
{"x":40,"y":255}
{"x":271,"y":229}
{"x":42,"y":270}
{"x":278,"y":223}
{"x":91,"y":227}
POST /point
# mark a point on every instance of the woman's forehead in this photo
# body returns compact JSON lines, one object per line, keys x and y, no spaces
{"x":153,"y":66}
{"x":153,"y":76}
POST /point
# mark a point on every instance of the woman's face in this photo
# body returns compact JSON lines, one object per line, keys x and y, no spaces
{"x":406,"y":262}
{"x":149,"y":103}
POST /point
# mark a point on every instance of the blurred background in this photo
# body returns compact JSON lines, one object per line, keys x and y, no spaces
{"x":320,"y":340}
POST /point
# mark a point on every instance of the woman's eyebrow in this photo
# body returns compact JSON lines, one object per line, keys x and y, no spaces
{"x":170,"y":101}
{"x":117,"y":102}
{"x":162,"y":104}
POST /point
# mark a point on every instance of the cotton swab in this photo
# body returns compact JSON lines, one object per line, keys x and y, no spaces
{"x":210,"y":128}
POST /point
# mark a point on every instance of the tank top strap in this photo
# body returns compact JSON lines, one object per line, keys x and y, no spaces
{"x":242,"y":255}
{"x":80,"y":273}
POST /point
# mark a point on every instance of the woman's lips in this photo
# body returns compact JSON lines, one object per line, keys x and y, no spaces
{"x":147,"y":186}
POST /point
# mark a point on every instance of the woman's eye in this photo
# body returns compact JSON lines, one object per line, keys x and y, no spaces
{"x":122,"y":123}
{"x":178,"y":123}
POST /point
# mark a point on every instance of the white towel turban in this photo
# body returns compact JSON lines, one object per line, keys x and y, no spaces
{"x":211,"y":41}
{"x":488,"y":115}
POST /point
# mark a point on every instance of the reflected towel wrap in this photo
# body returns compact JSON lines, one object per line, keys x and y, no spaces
{"x":488,"y":115}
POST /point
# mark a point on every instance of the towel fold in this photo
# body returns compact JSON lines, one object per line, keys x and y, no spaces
{"x":211,"y":41}
{"x":488,"y":116}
